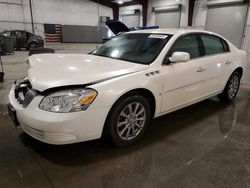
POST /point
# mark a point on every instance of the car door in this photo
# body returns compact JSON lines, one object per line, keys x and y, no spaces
{"x":183,"y":82}
{"x":13,"y":36}
{"x":217,"y":61}
{"x":21,"y":39}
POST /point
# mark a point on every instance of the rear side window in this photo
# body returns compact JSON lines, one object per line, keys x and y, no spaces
{"x":187,"y":44}
{"x":225,"y":46}
{"x":29,"y":34}
{"x":213,"y":44}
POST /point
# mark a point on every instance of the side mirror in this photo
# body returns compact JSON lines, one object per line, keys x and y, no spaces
{"x":178,"y":57}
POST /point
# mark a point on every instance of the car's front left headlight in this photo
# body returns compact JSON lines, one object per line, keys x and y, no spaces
{"x":73,"y":100}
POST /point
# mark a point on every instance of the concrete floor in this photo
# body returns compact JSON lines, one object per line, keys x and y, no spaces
{"x":204,"y":145}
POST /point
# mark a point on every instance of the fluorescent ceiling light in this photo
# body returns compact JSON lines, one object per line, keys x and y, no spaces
{"x":120,"y":2}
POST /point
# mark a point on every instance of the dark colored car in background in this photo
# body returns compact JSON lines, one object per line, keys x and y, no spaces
{"x":23,"y":39}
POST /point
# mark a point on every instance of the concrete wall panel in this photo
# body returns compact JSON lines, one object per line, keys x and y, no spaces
{"x":69,"y":12}
{"x":158,"y":3}
{"x":200,"y":16}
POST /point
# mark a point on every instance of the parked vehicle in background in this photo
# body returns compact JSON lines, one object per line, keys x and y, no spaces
{"x":23,"y":39}
{"x":6,"y":45}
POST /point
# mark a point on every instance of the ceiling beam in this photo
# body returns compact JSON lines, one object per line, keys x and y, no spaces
{"x":116,"y":13}
{"x":190,"y":12}
{"x":130,"y":3}
{"x":105,"y":3}
{"x":144,"y":11}
{"x":109,"y":4}
{"x":115,"y":7}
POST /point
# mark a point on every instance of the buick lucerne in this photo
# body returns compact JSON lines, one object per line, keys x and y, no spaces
{"x":114,"y":91}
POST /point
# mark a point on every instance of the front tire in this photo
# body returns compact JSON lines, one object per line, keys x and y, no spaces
{"x":230,"y":91}
{"x":127,"y":120}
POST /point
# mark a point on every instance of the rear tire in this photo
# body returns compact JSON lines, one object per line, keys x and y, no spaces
{"x":32,"y":45}
{"x":231,"y":89}
{"x":127,"y":121}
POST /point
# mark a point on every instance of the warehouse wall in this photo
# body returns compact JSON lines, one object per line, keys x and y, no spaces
{"x":11,"y":15}
{"x":200,"y":13}
{"x":199,"y":21}
{"x":72,"y":12}
{"x":158,"y":3}
{"x":246,"y":40}
{"x":127,"y":9}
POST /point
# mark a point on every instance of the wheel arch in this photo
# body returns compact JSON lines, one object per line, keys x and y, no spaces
{"x":240,"y":70}
{"x":32,"y":42}
{"x":141,"y":91}
{"x":224,"y":95}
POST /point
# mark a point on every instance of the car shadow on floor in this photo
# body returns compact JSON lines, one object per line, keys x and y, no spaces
{"x":160,"y":128}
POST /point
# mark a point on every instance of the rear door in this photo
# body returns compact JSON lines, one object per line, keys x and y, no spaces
{"x":216,"y":61}
{"x":184,"y":82}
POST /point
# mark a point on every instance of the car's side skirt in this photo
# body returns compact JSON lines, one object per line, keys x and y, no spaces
{"x":189,"y":103}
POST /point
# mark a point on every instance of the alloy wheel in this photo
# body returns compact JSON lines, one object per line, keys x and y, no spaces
{"x":131,"y":121}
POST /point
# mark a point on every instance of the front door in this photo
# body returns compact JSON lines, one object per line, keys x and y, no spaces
{"x":21,"y":39}
{"x":184,"y":82}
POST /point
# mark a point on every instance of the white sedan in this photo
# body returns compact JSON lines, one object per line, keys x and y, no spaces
{"x":115,"y":90}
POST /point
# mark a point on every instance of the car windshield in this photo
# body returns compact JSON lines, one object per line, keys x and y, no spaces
{"x":140,"y":48}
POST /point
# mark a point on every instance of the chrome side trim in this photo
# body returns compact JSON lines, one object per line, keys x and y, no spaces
{"x":185,"y":86}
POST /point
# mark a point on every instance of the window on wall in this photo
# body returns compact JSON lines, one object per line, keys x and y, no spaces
{"x":213,"y":44}
{"x":187,"y":44}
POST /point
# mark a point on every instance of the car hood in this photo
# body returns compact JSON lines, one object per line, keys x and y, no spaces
{"x":117,"y":27}
{"x":55,"y":70}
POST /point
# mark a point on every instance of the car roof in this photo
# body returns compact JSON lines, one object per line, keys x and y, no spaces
{"x":15,"y":30}
{"x":172,"y":31}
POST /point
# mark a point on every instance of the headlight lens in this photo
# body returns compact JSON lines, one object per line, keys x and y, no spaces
{"x":68,"y":101}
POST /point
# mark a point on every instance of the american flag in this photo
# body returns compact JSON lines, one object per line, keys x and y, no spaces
{"x":53,"y":32}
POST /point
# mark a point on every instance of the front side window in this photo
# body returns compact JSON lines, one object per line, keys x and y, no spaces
{"x":20,"y":34}
{"x":187,"y":44}
{"x":141,"y":48}
{"x":29,"y":34}
{"x":17,"y":34}
{"x":212,"y":44}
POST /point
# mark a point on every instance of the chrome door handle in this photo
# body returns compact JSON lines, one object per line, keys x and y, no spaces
{"x":200,"y":69}
{"x":228,"y":62}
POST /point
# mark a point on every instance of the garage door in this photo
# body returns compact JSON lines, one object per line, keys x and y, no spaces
{"x":167,"y":19}
{"x":228,"y":21}
{"x":132,"y":20}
